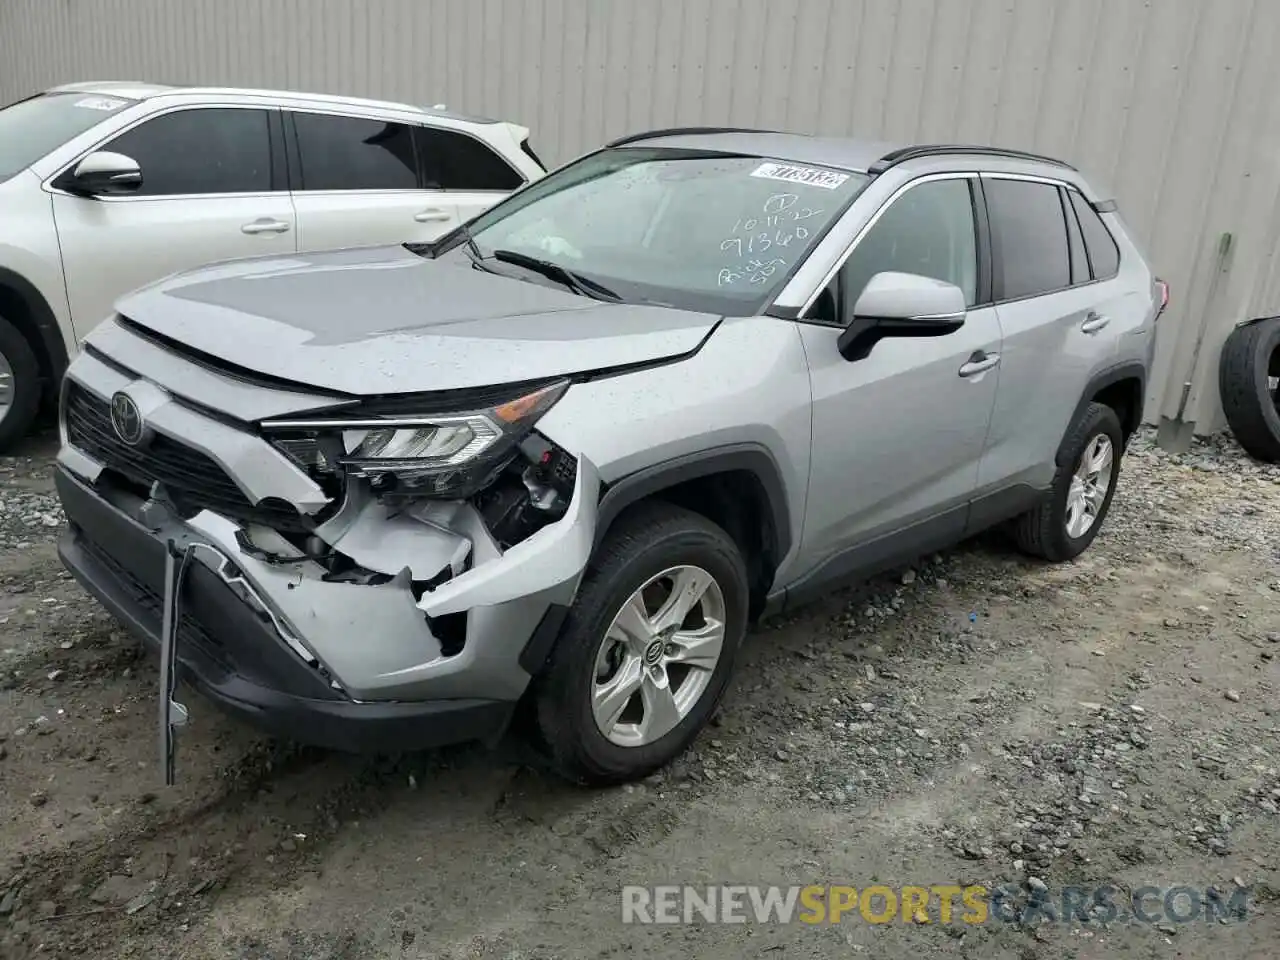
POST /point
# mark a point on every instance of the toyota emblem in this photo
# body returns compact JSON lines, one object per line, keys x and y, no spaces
{"x":126,"y":420}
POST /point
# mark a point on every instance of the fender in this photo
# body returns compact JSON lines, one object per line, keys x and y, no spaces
{"x":50,"y":346}
{"x":1128,"y":370}
{"x":749,"y":457}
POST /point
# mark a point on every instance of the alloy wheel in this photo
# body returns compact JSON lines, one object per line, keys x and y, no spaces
{"x":658,"y":656}
{"x":7,"y":393}
{"x":1089,"y":485}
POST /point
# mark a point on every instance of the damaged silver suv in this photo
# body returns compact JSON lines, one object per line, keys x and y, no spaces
{"x":375,"y":499}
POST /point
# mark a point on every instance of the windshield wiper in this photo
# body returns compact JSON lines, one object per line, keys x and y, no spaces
{"x":431,"y":248}
{"x":576,"y":282}
{"x":473,"y":251}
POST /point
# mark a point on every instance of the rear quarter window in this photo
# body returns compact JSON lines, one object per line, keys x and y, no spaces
{"x":455,"y":161}
{"x":1104,"y":255}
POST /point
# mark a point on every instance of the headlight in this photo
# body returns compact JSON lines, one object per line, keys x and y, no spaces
{"x":437,"y":455}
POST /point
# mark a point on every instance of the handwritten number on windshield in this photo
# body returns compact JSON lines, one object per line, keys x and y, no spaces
{"x":780,"y":216}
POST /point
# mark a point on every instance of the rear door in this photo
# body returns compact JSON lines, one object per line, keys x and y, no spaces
{"x":473,"y":175}
{"x":210,"y":192}
{"x":1057,"y":331}
{"x":358,"y":182}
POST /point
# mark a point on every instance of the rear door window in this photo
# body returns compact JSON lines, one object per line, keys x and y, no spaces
{"x":1104,"y":256}
{"x":1031,"y":253}
{"x":355,"y":153}
{"x":455,"y":161}
{"x":203,"y":150}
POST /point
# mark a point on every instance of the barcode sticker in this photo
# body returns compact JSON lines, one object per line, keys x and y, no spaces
{"x":791,"y":173}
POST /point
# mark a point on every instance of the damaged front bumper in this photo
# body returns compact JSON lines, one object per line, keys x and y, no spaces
{"x":348,"y":666}
{"x":432,"y":642}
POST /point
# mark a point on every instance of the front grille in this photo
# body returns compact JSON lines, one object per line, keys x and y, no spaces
{"x":193,"y":480}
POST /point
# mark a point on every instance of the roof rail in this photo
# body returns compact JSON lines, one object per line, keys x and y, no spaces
{"x":675,"y":131}
{"x":903,"y":154}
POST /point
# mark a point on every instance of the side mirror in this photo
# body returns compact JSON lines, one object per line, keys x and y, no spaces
{"x":104,"y":173}
{"x":901,"y":305}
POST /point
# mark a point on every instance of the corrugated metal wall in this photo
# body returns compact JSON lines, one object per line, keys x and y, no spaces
{"x":1170,"y":102}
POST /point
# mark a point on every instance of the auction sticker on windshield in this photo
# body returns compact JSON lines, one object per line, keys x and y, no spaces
{"x":791,"y":173}
{"x":101,"y":103}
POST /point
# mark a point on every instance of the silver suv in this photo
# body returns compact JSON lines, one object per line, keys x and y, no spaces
{"x":375,"y":499}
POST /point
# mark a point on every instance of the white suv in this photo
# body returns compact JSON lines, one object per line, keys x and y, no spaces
{"x":105,"y":187}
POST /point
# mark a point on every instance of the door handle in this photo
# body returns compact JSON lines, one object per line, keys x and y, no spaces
{"x":1094,"y":322}
{"x":265,"y":225}
{"x":979,"y":363}
{"x":433,"y":215}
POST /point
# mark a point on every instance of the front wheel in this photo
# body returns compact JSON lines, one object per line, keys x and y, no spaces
{"x":1062,"y":527}
{"x":19,"y":385}
{"x":648,"y":648}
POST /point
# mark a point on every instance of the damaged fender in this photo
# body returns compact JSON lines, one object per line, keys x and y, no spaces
{"x":552,"y":559}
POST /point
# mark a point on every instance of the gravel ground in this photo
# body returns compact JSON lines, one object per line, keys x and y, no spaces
{"x":977,"y":719}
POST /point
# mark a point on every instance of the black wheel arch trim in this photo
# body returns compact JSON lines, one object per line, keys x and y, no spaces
{"x":752,"y":458}
{"x":1128,"y":370}
{"x":51,"y":344}
{"x":538,"y":647}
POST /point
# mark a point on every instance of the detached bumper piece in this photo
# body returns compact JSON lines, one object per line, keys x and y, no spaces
{"x":172,"y":713}
{"x":230,"y":652}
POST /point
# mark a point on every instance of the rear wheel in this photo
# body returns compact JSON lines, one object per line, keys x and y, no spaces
{"x":19,"y":385}
{"x":648,"y":648}
{"x":1063,"y":526}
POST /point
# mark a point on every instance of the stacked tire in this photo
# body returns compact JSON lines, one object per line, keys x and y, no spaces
{"x":1249,"y":382}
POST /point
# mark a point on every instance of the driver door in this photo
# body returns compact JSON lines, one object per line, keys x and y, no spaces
{"x":898,"y":435}
{"x":207,"y":194}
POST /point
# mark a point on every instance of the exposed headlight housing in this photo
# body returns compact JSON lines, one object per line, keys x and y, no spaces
{"x":452,"y":455}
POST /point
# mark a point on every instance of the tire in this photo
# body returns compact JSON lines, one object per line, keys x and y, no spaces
{"x":1249,"y":357}
{"x":19,"y":365}
{"x":1044,"y":531}
{"x":648,"y":540}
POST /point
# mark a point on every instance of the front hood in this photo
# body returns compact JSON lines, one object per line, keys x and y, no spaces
{"x":383,"y":320}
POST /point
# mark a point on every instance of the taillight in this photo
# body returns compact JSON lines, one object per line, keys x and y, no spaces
{"x":1163,"y":289}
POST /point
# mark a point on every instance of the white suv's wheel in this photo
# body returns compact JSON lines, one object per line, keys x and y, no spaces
{"x":19,"y":385}
{"x":648,"y":648}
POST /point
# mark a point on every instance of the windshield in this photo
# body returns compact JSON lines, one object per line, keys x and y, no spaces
{"x":31,"y":128}
{"x":703,"y":231}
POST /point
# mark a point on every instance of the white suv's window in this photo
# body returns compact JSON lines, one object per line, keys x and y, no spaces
{"x":455,"y":161}
{"x":355,"y":153}
{"x":200,"y":151}
{"x":31,"y":128}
